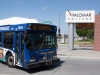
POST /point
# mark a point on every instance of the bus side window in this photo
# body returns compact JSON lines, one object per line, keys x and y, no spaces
{"x":8,"y":40}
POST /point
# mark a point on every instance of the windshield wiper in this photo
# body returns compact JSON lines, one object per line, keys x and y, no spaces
{"x":43,"y":37}
{"x":41,"y":44}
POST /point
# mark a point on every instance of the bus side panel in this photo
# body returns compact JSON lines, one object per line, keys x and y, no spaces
{"x":2,"y":55}
{"x":3,"y":52}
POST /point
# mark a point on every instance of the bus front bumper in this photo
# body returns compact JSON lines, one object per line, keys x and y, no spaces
{"x":39,"y":64}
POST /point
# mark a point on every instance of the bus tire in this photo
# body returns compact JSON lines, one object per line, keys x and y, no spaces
{"x":10,"y":61}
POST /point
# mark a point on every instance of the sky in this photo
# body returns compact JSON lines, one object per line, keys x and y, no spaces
{"x":33,"y":9}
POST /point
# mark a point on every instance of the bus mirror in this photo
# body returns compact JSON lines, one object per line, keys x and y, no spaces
{"x":25,"y":38}
{"x":25,"y":33}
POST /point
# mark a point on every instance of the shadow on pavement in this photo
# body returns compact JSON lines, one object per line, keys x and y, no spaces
{"x":43,"y":68}
{"x":2,"y":62}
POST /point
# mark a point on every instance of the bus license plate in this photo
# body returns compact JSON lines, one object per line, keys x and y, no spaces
{"x":44,"y":58}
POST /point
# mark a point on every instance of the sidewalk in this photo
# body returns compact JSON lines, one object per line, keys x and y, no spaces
{"x":79,"y":51}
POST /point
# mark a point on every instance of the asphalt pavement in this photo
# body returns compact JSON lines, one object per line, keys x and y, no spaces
{"x":78,"y":51}
{"x":69,"y":65}
{"x":81,"y":61}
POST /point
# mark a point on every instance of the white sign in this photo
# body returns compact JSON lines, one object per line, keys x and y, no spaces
{"x":80,"y":16}
{"x":20,"y":27}
{"x":4,"y":28}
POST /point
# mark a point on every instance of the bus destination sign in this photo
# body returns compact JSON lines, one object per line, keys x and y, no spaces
{"x":43,"y":27}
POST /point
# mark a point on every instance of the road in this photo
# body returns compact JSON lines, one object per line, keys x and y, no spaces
{"x":67,"y":66}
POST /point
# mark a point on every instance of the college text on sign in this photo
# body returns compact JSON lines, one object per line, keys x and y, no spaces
{"x":80,"y":16}
{"x":1,"y":53}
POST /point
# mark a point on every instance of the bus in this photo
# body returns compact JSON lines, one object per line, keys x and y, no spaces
{"x":28,"y":45}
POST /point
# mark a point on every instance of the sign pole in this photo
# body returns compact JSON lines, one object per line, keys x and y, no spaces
{"x":71,"y":37}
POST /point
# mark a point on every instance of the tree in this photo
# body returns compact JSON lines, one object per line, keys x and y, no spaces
{"x":82,"y":32}
{"x":65,"y":36}
{"x":90,"y":33}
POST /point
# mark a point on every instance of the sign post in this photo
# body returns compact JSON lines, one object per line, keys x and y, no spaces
{"x":73,"y":17}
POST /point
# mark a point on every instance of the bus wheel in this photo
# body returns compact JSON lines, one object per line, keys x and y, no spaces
{"x":10,"y":60}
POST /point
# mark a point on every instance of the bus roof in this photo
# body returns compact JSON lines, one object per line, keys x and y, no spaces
{"x":16,"y":20}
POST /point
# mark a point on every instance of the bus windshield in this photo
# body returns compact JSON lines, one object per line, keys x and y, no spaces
{"x":38,"y":40}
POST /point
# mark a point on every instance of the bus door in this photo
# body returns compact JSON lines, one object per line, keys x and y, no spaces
{"x":19,"y":48}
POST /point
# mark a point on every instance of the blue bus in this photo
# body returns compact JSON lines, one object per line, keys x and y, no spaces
{"x":28,"y":45}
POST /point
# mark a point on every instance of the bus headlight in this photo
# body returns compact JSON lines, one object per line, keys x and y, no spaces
{"x":32,"y":60}
{"x":55,"y":55}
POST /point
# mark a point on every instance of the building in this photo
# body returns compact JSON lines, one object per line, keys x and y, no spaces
{"x":97,"y":33}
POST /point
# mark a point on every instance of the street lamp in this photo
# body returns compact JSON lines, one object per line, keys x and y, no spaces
{"x":58,"y":21}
